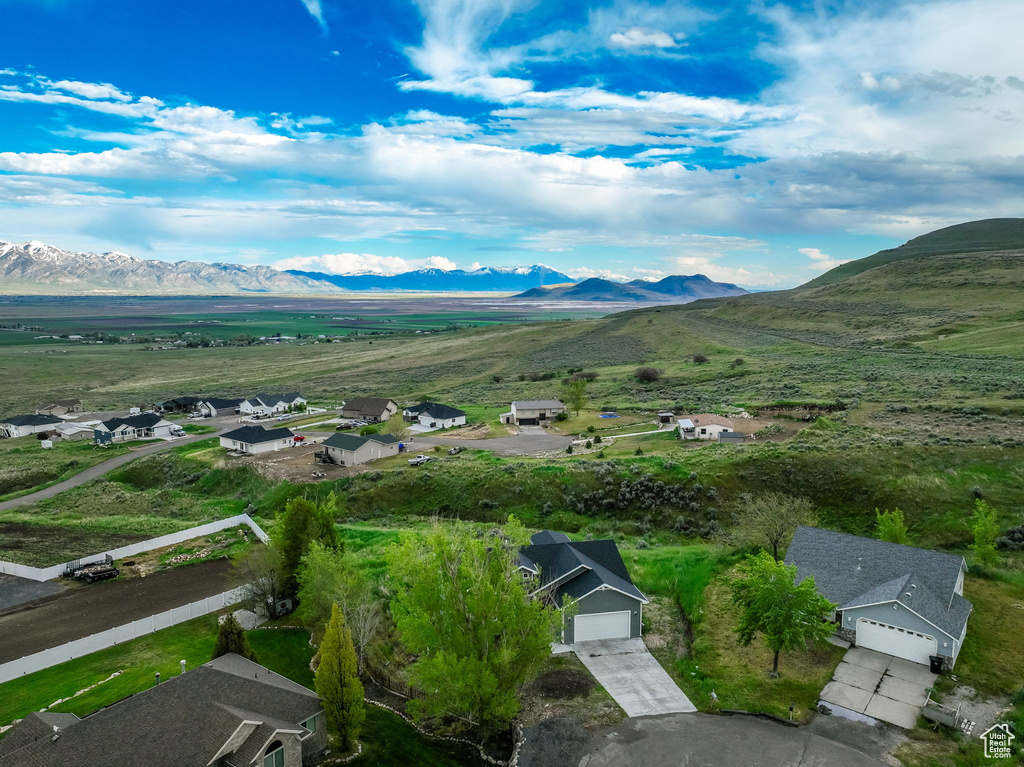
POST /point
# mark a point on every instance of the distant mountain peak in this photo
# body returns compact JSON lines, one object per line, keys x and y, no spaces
{"x":676,"y":289}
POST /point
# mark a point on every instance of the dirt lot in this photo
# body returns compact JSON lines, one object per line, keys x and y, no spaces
{"x":84,"y":610}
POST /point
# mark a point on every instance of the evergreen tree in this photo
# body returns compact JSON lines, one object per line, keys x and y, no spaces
{"x":304,"y":522}
{"x":337,"y":683}
{"x":890,"y":526}
{"x":231,"y":638}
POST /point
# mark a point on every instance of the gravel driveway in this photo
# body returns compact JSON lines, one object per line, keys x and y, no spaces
{"x":520,"y":444}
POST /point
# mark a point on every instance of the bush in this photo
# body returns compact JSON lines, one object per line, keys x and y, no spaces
{"x":563,"y":416}
{"x":368,"y":430}
{"x":589,"y":444}
{"x":700,"y":359}
{"x":598,"y":440}
{"x":638,"y":451}
{"x":568,"y":449}
{"x":1013,"y":540}
{"x":647,"y":374}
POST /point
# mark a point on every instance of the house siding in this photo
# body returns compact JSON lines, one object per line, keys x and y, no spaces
{"x":315,"y":744}
{"x":903,"y":618}
{"x":607,"y":601}
{"x":370,"y":451}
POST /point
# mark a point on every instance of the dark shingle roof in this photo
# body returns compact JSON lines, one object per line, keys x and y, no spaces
{"x":141,"y":421}
{"x":353,"y":442}
{"x":32,"y":420}
{"x":575,"y":568}
{"x":548,"y":536}
{"x":254,"y":435}
{"x":852,"y":571}
{"x":222,"y":404}
{"x":185,"y":720}
{"x":373,"y":405}
{"x":435,"y":410}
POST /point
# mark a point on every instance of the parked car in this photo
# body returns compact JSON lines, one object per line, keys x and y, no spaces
{"x":456,"y":450}
{"x":419,"y":460}
{"x":300,"y":439}
{"x":284,"y":417}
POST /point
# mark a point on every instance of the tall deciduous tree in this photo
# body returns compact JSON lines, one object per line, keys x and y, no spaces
{"x":302,"y":523}
{"x":461,"y":606}
{"x":337,"y":683}
{"x":785,"y":613}
{"x":397,"y":427}
{"x":574,"y":391}
{"x":890,"y":526}
{"x":769,"y":520}
{"x":985,"y":527}
{"x":326,"y":578}
{"x":231,"y":638}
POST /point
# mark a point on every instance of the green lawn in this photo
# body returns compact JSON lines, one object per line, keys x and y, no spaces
{"x":26,"y":467}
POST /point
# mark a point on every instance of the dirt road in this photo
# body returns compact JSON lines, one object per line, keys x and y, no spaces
{"x":79,"y":612}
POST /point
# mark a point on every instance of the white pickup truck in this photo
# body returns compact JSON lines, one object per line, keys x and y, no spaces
{"x":418,"y":460}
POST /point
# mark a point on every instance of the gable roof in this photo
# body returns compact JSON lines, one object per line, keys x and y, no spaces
{"x":709,"y":419}
{"x":537,"y":404}
{"x":32,"y":420}
{"x":374,"y":405}
{"x":434,"y":410}
{"x":217,"y":403}
{"x":854,"y":571}
{"x":270,"y":400}
{"x":141,"y":421}
{"x":185,"y":720}
{"x":576,"y":568}
{"x":254,"y":435}
{"x":353,"y":442}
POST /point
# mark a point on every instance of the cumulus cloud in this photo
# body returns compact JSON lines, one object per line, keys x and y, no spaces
{"x":363,"y":263}
{"x":91,"y":90}
{"x":822,"y":261}
{"x":642,"y":38}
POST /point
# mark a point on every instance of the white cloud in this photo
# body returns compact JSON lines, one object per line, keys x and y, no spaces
{"x":91,"y":90}
{"x":356,"y":263}
{"x":642,"y":38}
{"x":822,"y":261}
{"x":719,"y":273}
{"x":316,"y":10}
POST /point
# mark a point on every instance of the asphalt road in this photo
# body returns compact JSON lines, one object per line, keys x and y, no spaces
{"x":717,"y":741}
{"x":102,"y":468}
{"x":91,"y":608}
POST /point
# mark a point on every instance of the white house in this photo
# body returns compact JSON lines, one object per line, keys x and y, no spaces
{"x":24,"y":425}
{"x":530,"y":412}
{"x":143,"y":426}
{"x":432,"y":416}
{"x":254,"y":440}
{"x":704,"y":426}
{"x":270,"y":404}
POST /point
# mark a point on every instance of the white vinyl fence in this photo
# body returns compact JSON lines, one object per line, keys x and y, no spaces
{"x":55,"y":571}
{"x":117,"y":635}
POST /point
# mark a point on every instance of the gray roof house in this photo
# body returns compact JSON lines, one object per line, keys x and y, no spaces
{"x":431,"y":415}
{"x":141,"y":426}
{"x":268,"y":404}
{"x":375,"y":409}
{"x":352,"y":450}
{"x":591,"y":575}
{"x":255,"y":439}
{"x":896,"y":599}
{"x":229,"y":712}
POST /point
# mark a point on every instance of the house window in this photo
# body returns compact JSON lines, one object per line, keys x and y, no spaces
{"x":310,"y":724}
{"x":275,"y":755}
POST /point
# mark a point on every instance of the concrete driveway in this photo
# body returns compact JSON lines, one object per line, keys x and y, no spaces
{"x":703,"y":740}
{"x":633,"y":677}
{"x":879,"y":686}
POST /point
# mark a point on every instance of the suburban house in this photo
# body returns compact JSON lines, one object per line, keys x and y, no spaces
{"x":142,"y":426}
{"x":372,"y":409}
{"x":254,"y":440}
{"x":352,"y":450}
{"x":60,"y":407}
{"x":704,"y":426}
{"x":70,"y":430}
{"x":211,"y":407}
{"x":531,"y":412}
{"x":270,"y":404}
{"x":430,"y":415}
{"x":178,"y":405}
{"x":592,"y":576}
{"x":896,"y":599}
{"x":229,"y":712}
{"x":24,"y":425}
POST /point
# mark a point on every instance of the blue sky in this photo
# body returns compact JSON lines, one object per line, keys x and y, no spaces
{"x":756,"y":142}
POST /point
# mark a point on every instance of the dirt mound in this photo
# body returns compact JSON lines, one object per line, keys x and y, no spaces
{"x":563,"y":684}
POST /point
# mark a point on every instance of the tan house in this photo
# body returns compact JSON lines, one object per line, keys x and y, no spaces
{"x":705,"y":426}
{"x":60,"y":407}
{"x":371,"y":409}
{"x":352,"y":450}
{"x":531,"y":412}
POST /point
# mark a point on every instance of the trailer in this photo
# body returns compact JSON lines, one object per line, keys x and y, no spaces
{"x":95,"y":571}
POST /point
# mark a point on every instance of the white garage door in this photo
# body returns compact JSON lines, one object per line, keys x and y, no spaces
{"x":893,"y":640}
{"x":601,"y":626}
